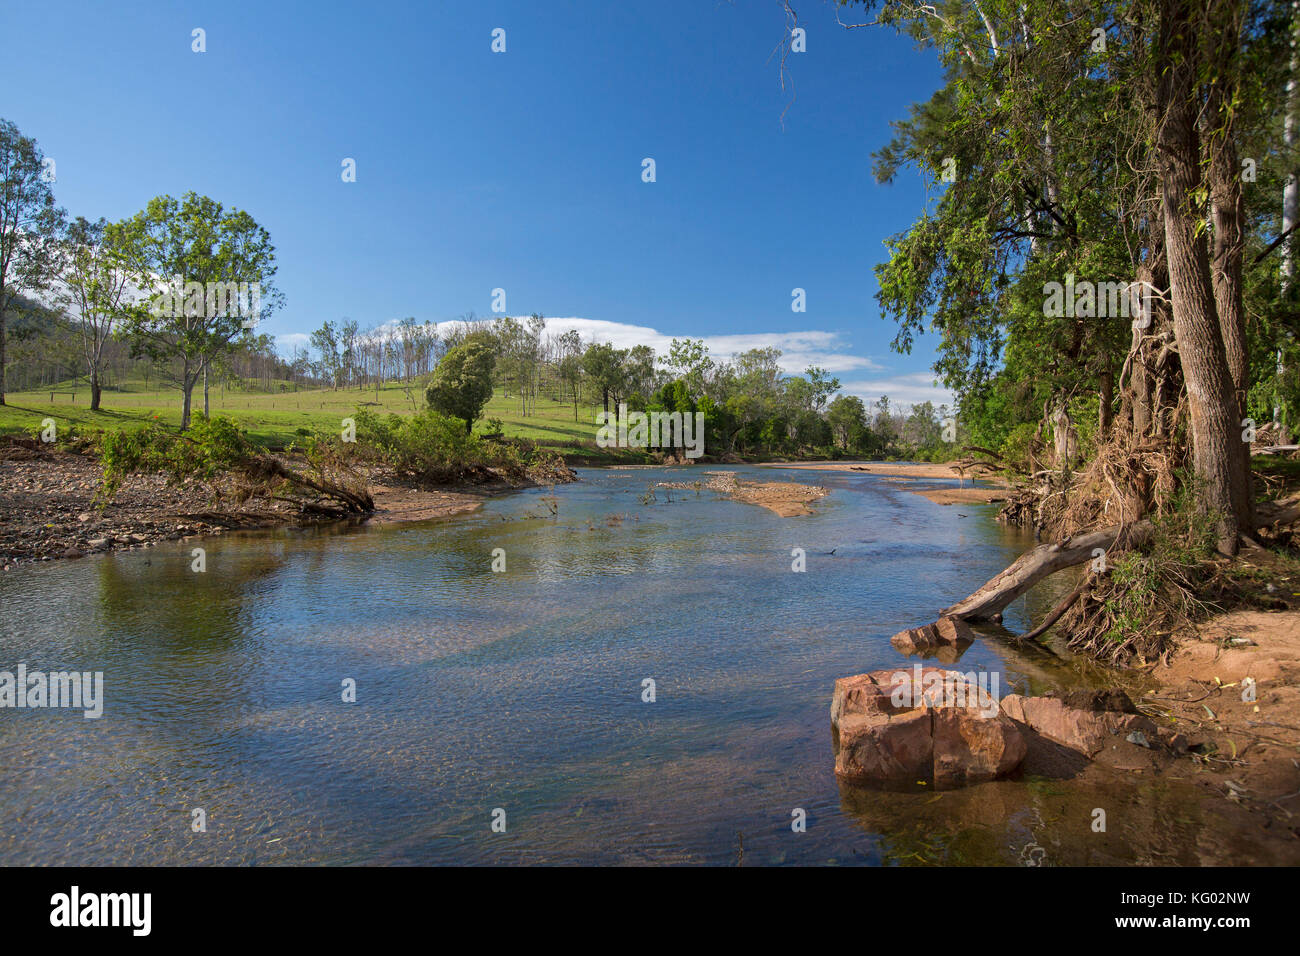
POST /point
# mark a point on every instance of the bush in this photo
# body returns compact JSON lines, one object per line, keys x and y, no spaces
{"x":428,"y":446}
{"x":210,"y":447}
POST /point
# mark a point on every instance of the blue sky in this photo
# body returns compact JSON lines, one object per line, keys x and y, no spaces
{"x":518,"y":170}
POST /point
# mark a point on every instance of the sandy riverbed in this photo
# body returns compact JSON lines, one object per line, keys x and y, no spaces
{"x":991,"y":489}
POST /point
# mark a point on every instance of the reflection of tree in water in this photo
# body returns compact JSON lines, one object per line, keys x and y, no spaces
{"x":1039,"y":822}
{"x":165,"y":610}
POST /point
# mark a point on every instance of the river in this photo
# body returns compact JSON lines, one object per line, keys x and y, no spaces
{"x":520,"y":696}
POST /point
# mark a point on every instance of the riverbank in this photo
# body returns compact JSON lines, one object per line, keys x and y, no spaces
{"x":1231,"y":692}
{"x":992,"y":490}
{"x":48,"y":509}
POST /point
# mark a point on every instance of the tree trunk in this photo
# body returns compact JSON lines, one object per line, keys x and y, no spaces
{"x":187,"y":390}
{"x":1217,"y":447}
{"x":3,"y":347}
{"x":1228,"y":213}
{"x":1290,"y":197}
{"x":1036,"y":564}
{"x":94,"y":390}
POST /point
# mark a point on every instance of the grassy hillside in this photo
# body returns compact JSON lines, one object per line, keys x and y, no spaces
{"x":273,"y":418}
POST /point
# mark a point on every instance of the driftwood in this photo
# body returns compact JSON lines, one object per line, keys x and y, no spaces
{"x":1032,"y":566}
{"x":1036,"y":564}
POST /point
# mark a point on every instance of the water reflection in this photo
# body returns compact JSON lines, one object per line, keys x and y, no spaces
{"x":520,"y":690}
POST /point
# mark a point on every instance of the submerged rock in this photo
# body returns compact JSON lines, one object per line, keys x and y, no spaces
{"x":923,"y":725}
{"x":944,"y":634}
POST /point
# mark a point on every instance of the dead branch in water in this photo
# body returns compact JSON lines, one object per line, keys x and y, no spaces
{"x":1036,"y":564}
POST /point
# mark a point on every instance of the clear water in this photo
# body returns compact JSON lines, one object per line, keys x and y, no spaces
{"x":523,"y":691}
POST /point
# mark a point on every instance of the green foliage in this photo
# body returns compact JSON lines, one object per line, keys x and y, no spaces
{"x":210,"y":447}
{"x":428,"y":446}
{"x":462,"y":382}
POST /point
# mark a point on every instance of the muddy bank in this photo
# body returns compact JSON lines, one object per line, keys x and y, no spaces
{"x":789,"y":499}
{"x":48,"y":508}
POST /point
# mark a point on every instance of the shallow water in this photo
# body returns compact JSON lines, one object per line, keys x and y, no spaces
{"x":523,"y":691}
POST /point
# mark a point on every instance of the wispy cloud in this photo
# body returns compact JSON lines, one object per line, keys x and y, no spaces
{"x":292,"y":340}
{"x":798,"y":349}
{"x":903,"y":390}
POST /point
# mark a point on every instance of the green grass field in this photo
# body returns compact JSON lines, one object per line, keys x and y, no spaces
{"x":273,"y":418}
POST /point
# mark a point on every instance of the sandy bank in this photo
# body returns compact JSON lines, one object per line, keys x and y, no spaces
{"x":992,"y":489}
{"x":1246,"y":751}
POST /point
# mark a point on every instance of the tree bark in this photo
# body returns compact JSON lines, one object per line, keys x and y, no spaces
{"x":1217,"y":447}
{"x":1032,"y":566}
{"x":1105,"y":395}
{"x":1228,"y":214}
{"x":187,"y":390}
{"x":94,"y":390}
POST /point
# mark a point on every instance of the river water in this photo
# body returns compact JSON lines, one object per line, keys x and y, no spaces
{"x":519,"y":696}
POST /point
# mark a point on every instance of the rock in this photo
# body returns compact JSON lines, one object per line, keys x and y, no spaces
{"x":969,"y":748}
{"x":1086,"y":731}
{"x":915,"y":640}
{"x":924,"y":725}
{"x":99,"y":544}
{"x":953,"y":630}
{"x":69,"y":553}
{"x":1139,"y":738}
{"x":947,"y":631}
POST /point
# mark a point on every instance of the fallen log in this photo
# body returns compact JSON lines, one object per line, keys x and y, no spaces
{"x":1036,"y":564}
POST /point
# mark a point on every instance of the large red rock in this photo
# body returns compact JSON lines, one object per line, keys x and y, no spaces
{"x":920,"y":725}
{"x":969,"y":748}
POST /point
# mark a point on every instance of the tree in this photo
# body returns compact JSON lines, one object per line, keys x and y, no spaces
{"x":30,"y":224}
{"x":216,"y":268}
{"x":94,"y":287}
{"x":604,"y":366}
{"x":325,"y":340}
{"x":848,"y":419}
{"x":569,"y":346}
{"x":462,"y":382}
{"x":688,"y":359}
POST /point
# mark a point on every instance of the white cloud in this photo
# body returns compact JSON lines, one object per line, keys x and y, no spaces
{"x":798,"y":349}
{"x":903,"y":390}
{"x":292,"y":340}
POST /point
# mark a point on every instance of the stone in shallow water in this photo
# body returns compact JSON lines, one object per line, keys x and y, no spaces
{"x":944,"y":633}
{"x":924,"y":725}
